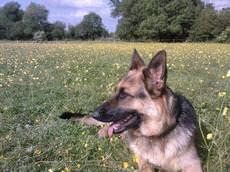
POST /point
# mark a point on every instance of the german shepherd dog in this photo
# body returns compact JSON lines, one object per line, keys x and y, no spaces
{"x":158,"y":124}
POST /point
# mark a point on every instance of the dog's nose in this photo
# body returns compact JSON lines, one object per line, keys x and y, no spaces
{"x":95,"y":114}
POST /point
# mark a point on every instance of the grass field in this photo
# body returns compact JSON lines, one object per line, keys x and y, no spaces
{"x":40,"y":81}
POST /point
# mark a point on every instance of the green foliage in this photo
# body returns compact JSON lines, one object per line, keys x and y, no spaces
{"x":204,"y":25}
{"x":155,"y":20}
{"x":10,"y":14}
{"x":223,"y":20}
{"x":91,"y":27}
{"x":34,"y":19}
{"x":16,"y":32}
{"x":224,"y":36}
{"x":58,"y":30}
{"x":12,"y":11}
{"x":16,"y":24}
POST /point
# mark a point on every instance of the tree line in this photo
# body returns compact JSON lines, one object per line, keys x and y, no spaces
{"x":16,"y":24}
{"x":138,"y":20}
{"x":171,"y":20}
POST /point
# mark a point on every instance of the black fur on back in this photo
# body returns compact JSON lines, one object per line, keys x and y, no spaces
{"x":186,"y":115}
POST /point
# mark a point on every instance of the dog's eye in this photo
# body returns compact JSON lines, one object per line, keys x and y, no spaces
{"x":122,"y":95}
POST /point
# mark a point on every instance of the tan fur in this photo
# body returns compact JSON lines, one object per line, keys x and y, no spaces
{"x":143,"y":165}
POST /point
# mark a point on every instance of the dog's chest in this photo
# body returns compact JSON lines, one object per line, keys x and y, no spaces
{"x":157,"y":152}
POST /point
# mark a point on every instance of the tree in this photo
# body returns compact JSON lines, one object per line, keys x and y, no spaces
{"x":91,"y":27}
{"x":12,"y":11}
{"x":3,"y":24}
{"x":10,"y":14}
{"x":34,"y":19}
{"x":70,"y":32}
{"x":58,"y":30}
{"x":131,"y":14}
{"x":204,"y":25}
{"x":222,"y":21}
{"x":16,"y":32}
{"x":224,"y":36}
{"x":154,"y":19}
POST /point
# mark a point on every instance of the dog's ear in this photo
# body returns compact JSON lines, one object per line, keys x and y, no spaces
{"x":137,"y":61}
{"x":156,"y":73}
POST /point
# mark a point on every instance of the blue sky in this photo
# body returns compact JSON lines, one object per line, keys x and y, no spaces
{"x":72,"y":11}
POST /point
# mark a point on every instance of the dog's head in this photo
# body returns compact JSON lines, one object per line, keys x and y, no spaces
{"x":139,"y":101}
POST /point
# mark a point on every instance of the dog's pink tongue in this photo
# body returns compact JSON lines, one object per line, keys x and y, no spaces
{"x":110,"y":131}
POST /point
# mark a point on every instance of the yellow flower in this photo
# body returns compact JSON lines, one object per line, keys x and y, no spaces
{"x":8,"y":137}
{"x":2,"y":157}
{"x":221,"y":94}
{"x":125,"y":165}
{"x":78,"y":165}
{"x":50,"y":170}
{"x":228,"y":74}
{"x":37,"y":152}
{"x":209,"y":136}
{"x":67,"y":169}
{"x":135,"y":158}
{"x":225,"y":111}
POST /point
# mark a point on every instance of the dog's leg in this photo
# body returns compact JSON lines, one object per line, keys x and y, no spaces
{"x":87,"y":120}
{"x":143,"y":165}
{"x":190,"y":161}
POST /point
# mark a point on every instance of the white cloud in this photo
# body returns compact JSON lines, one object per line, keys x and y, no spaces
{"x":79,"y":13}
{"x":79,"y":3}
{"x":219,"y":3}
{"x":87,"y":3}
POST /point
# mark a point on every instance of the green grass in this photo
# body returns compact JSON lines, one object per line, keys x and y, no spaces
{"x":40,"y":81}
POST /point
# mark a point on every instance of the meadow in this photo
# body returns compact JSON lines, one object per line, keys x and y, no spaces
{"x":39,"y":81}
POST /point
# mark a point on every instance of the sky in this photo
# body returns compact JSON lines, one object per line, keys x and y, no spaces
{"x":72,"y":11}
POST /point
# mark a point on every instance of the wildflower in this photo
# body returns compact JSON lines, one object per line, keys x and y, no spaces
{"x":221,"y":94}
{"x":135,"y":158}
{"x":2,"y":157}
{"x":86,"y":145}
{"x":125,"y":165}
{"x":225,"y":111}
{"x":50,"y":170}
{"x":78,"y":165}
{"x":8,"y":137}
{"x":228,"y":74}
{"x":209,"y":136}
{"x":67,"y":169}
{"x":37,"y":152}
